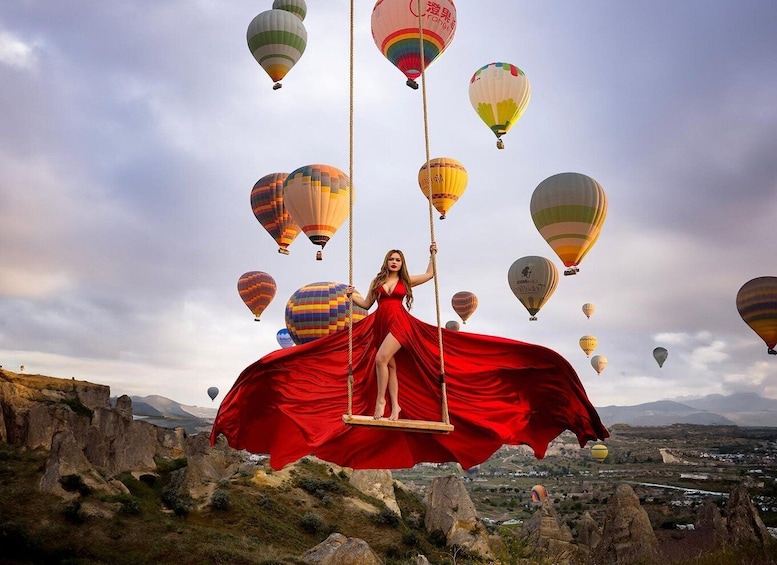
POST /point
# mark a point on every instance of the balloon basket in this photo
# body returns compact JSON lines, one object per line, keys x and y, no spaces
{"x":412,"y":84}
{"x":276,"y":86}
{"x":319,"y":255}
{"x":500,"y":144}
{"x":571,"y":271}
{"x":257,"y":320}
{"x":771,"y":351}
{"x":283,"y":251}
{"x":532,"y":318}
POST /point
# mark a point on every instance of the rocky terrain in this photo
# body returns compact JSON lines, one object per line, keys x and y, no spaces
{"x":85,"y":481}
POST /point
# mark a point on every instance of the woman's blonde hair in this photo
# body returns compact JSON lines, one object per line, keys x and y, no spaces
{"x":404,"y":276}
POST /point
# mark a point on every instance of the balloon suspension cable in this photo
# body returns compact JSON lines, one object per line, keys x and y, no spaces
{"x":350,"y":220}
{"x":433,"y":258}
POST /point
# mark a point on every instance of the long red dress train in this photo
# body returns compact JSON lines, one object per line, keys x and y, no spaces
{"x":290,"y":403}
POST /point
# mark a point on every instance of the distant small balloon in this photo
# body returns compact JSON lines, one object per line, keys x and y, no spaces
{"x":452,"y":325}
{"x":284,"y":338}
{"x":588,"y":344}
{"x":538,"y":493}
{"x":599,"y":362}
{"x":588,"y":309}
{"x":599,"y":452}
{"x":213,"y":392}
{"x":660,"y":354}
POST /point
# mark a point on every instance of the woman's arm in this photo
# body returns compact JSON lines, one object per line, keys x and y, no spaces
{"x":365,"y":303}
{"x":427,"y":276}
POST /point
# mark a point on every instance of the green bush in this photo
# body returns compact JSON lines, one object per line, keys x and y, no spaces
{"x":312,"y":523}
{"x":220,"y":500}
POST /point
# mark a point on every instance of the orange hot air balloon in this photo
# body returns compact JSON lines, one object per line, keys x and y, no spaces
{"x":757,"y":304}
{"x":267,"y":205}
{"x":588,"y":309}
{"x":449,"y":181}
{"x":395,"y":29}
{"x":588,"y":344}
{"x":538,"y":493}
{"x":464,"y":304}
{"x":568,"y":210}
{"x":257,"y":289}
{"x":317,"y":197}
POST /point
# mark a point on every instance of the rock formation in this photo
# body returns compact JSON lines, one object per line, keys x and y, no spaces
{"x":548,"y":538}
{"x":340,"y":550}
{"x":743,"y":522}
{"x":377,"y":483}
{"x":450,"y":510}
{"x":627,"y":536}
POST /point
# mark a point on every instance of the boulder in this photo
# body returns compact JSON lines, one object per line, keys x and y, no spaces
{"x":450,"y":510}
{"x":548,"y":538}
{"x":627,"y":535}
{"x":340,"y":550}
{"x":377,"y":483}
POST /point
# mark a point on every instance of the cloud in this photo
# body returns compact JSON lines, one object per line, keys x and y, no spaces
{"x":15,"y":53}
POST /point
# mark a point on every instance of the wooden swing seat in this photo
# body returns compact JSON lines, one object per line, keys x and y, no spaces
{"x":422,"y":426}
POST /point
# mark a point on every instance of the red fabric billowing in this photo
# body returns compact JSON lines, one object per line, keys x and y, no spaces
{"x":500,"y":391}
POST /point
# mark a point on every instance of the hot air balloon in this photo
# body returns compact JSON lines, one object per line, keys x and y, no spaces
{"x":464,"y":304}
{"x":599,"y":451}
{"x":319,"y":309}
{"x":317,"y":197}
{"x":277,"y":39}
{"x":284,"y":338}
{"x":598,"y":362}
{"x":395,"y":29}
{"x":569,"y":210}
{"x":660,"y":354}
{"x":757,"y":304}
{"x":257,"y":289}
{"x":213,"y":392}
{"x":452,"y":325}
{"x":538,"y":493}
{"x":499,"y":93}
{"x":533,"y":280}
{"x":588,"y":344}
{"x":267,"y":205}
{"x":588,"y":309}
{"x":449,"y":181}
{"x":296,"y":7}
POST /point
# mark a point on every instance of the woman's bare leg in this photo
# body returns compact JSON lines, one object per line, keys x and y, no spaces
{"x":384,"y":357}
{"x":393,"y":390}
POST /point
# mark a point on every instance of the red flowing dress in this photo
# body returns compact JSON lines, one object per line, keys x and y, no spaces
{"x":500,"y":391}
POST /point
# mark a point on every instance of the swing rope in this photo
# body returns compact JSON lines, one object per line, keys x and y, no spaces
{"x":444,"y":396}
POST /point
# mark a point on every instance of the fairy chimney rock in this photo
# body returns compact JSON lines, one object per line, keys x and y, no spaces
{"x":377,"y":483}
{"x":548,"y":537}
{"x":627,"y":536}
{"x":743,"y":521}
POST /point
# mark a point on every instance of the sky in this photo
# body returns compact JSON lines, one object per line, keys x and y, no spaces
{"x":132,"y":133}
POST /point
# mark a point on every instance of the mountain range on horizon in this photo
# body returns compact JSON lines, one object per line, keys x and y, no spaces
{"x":747,"y":409}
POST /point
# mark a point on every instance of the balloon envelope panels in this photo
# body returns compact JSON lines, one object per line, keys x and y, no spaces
{"x":257,"y":289}
{"x":319,"y":309}
{"x":297,"y":7}
{"x":395,"y":30}
{"x":318,"y":198}
{"x":533,"y":280}
{"x":277,"y":39}
{"x":448,"y":180}
{"x":499,"y":93}
{"x":269,"y":209}
{"x":757,"y":305}
{"x":568,"y":210}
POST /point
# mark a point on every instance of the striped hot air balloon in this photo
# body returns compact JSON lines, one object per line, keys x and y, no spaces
{"x":296,"y":7}
{"x":317,"y":197}
{"x":268,"y":207}
{"x":499,"y":93}
{"x":538,"y":493}
{"x":757,"y":304}
{"x":533,"y":280}
{"x":588,"y":343}
{"x":319,"y":309}
{"x":277,"y":39}
{"x":395,"y":29}
{"x":464,"y":304}
{"x":569,"y":210}
{"x":448,"y":180}
{"x":599,"y":451}
{"x":257,"y":289}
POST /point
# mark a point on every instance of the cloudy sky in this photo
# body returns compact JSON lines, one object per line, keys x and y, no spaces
{"x":132,"y":133}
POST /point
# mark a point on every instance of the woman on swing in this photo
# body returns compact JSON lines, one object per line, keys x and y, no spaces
{"x":388,"y":288}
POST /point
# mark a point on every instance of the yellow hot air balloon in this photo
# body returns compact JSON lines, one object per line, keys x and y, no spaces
{"x":499,"y":93}
{"x":599,"y":362}
{"x":599,"y":451}
{"x":449,"y":181}
{"x":569,"y":210}
{"x":317,"y":197}
{"x":757,"y":304}
{"x":464,"y":304}
{"x":533,"y":280}
{"x":588,"y":344}
{"x":395,"y":31}
{"x":588,"y":309}
{"x":277,"y":39}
